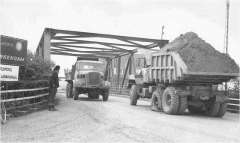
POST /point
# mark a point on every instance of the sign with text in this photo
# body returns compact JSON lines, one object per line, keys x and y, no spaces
{"x":13,"y":51}
{"x":9,"y":73}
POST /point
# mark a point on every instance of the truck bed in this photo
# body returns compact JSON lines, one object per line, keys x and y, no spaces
{"x":170,"y":68}
{"x":207,"y":77}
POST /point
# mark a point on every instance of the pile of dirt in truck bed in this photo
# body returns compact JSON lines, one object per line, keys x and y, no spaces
{"x":199,"y":56}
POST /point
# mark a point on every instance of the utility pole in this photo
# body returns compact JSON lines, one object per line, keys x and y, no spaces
{"x":162,"y":32}
{"x":225,"y":48}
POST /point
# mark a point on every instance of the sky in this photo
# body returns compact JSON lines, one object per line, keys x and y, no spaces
{"x":26,"y":19}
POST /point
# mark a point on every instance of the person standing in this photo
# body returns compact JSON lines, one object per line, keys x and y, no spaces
{"x":54,"y":84}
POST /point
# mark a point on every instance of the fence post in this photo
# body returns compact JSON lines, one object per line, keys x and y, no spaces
{"x":35,"y":85}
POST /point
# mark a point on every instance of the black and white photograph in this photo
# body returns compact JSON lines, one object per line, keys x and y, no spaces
{"x":109,"y":71}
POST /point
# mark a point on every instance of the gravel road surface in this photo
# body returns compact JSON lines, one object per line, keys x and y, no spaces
{"x":88,"y":120}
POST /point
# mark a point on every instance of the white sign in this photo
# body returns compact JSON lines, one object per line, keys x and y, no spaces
{"x":9,"y":73}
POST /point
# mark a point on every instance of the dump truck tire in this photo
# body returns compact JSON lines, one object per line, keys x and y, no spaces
{"x":194,"y":110}
{"x":170,"y":101}
{"x":133,"y":95}
{"x":90,"y":96}
{"x":67,"y":90}
{"x":213,"y":110}
{"x":70,"y":95}
{"x":97,"y":96}
{"x":182,"y":105}
{"x":75,"y":92}
{"x":105,"y":95}
{"x":156,"y":104}
{"x":222,"y":110}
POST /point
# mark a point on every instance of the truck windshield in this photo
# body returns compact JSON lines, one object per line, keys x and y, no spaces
{"x":86,"y":66}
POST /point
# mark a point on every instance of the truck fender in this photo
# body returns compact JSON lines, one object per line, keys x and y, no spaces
{"x":106,"y":84}
{"x":135,"y":79}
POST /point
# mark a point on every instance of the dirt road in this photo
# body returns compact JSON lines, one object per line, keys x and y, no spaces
{"x":87,"y":120}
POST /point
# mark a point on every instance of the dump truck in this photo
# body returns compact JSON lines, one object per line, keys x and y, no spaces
{"x":184,"y":74}
{"x":86,"y":77}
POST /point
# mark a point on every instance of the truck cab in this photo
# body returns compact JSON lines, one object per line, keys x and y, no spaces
{"x":87,"y":78}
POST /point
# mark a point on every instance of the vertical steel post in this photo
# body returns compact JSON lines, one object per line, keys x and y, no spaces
{"x":130,"y":65}
{"x":108,"y":69}
{"x":111,"y":72}
{"x":118,"y":72}
{"x":226,"y":32}
{"x":47,"y":44}
{"x":133,"y":64}
{"x":125,"y":73}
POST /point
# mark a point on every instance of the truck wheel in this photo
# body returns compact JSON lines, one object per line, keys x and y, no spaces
{"x":182,"y":105}
{"x":75,"y":92}
{"x":194,"y":110}
{"x":170,"y":101}
{"x":222,"y":110}
{"x":213,"y":109}
{"x":67,"y":90}
{"x":156,"y":104}
{"x":105,"y":95}
{"x":97,"y":96}
{"x":70,"y":95}
{"x":133,"y":95}
{"x":90,"y":96}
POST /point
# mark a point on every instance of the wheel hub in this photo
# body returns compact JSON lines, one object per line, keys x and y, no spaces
{"x":168,"y":100}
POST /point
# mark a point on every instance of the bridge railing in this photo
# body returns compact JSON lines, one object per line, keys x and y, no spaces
{"x":21,"y":95}
{"x":233,"y":105}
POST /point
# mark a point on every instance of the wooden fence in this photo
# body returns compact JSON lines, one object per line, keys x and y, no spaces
{"x":28,"y":94}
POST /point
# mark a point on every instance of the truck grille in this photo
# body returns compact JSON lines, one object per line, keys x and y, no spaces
{"x":94,"y":78}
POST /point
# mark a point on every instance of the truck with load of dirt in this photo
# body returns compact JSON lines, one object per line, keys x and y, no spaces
{"x":86,"y":77}
{"x":184,"y":74}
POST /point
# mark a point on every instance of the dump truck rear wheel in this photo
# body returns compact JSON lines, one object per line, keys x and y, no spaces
{"x":182,"y":105}
{"x":75,"y":92}
{"x":222,"y":110}
{"x":194,"y":110}
{"x":213,"y":109}
{"x":170,"y":101}
{"x":105,"y":95}
{"x":133,"y":95}
{"x":156,"y":104}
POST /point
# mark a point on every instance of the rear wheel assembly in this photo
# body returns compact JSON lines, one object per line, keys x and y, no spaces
{"x":170,"y":101}
{"x":182,"y":105}
{"x":222,"y":110}
{"x":213,"y":108}
{"x":194,"y":110}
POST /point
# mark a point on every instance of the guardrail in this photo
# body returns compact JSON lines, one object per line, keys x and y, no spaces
{"x":32,"y":93}
{"x":119,"y":89}
{"x":232,"y":105}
